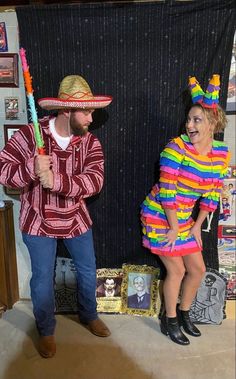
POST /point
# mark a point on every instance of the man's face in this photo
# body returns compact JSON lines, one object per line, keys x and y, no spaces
{"x":139,"y":283}
{"x":109,"y":284}
{"x":80,"y":119}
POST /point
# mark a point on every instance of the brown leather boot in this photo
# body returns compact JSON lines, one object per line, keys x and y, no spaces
{"x":98,"y":328}
{"x":47,"y":346}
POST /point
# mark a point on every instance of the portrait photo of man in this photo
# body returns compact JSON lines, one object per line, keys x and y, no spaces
{"x":140,"y":298}
{"x":108,"y":288}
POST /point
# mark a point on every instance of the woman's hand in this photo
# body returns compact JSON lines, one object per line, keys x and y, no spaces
{"x":171,"y":237}
{"x":196,"y":233}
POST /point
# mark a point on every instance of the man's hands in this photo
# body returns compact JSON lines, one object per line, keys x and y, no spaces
{"x":42,"y":168}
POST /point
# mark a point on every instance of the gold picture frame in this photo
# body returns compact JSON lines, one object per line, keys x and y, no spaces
{"x":108,"y":291}
{"x":143,"y":281}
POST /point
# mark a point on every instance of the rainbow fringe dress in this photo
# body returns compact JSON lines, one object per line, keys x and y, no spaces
{"x":186,"y":176}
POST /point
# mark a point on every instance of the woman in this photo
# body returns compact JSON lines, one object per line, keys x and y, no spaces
{"x":192,"y":167}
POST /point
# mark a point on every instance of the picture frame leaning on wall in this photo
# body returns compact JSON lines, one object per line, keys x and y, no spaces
{"x":108,"y":290}
{"x":140,"y":292}
{"x":9,"y":130}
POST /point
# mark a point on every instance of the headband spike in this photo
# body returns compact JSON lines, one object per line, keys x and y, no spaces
{"x":211,"y":98}
{"x":196,"y":91}
{"x":208,"y":99}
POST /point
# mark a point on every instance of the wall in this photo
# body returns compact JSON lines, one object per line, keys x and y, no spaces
{"x":13,"y":47}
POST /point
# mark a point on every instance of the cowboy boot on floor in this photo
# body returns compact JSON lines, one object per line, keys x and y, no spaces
{"x":187,"y":324}
{"x":98,"y":328}
{"x":47,"y":346}
{"x":170,"y":327}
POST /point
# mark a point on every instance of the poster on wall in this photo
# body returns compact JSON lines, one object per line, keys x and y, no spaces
{"x":227,"y":233}
{"x":231,"y":98}
{"x":227,"y":214}
{"x":3,"y":37}
{"x":11,"y":108}
{"x":227,"y":267}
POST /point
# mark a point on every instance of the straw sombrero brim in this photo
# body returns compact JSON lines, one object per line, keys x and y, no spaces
{"x":50,"y":103}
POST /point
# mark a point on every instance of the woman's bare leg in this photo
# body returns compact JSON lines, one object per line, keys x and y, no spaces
{"x":175,"y":273}
{"x":195,"y":269}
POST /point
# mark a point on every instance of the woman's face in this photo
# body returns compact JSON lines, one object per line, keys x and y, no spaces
{"x":198,"y":128}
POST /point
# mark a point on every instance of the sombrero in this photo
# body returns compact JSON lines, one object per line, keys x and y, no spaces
{"x":74,"y":92}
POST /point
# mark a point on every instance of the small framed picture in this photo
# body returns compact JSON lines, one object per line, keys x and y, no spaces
{"x":227,"y":231}
{"x":9,"y":76}
{"x":9,"y":130}
{"x":11,"y":108}
{"x":3,"y":37}
{"x":108,"y":291}
{"x":140,"y":294}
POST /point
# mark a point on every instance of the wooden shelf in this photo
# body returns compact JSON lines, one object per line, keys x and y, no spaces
{"x":9,"y":291}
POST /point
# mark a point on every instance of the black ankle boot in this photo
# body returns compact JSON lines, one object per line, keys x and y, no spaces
{"x":187,"y":324}
{"x":170,"y":327}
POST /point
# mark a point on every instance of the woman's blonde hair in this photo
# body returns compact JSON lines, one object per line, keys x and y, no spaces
{"x":217,"y":117}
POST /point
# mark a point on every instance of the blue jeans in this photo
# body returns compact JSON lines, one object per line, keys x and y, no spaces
{"x":42,"y":252}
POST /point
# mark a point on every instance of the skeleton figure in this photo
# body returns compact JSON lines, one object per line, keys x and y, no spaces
{"x":212,"y":291}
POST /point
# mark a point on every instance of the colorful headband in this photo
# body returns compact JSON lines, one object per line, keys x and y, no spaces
{"x":208,"y":99}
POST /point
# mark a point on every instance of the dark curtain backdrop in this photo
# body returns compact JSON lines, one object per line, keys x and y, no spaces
{"x":142,"y":55}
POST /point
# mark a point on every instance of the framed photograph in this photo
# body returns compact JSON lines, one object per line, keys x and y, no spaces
{"x":231,"y":97}
{"x":3,"y":37}
{"x":11,"y":108}
{"x":140,"y":293}
{"x":9,"y":76}
{"x":227,"y":231}
{"x":9,"y":130}
{"x":108,"y":291}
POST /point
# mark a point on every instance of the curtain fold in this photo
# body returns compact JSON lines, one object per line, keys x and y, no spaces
{"x":142,"y":55}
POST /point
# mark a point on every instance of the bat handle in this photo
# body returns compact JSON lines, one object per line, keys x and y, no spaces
{"x":41,"y":151}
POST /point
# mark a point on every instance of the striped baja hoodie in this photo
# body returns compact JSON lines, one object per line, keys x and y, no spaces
{"x":78,"y":173}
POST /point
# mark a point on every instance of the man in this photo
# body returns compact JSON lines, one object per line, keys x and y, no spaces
{"x":141,"y":299}
{"x":54,"y":187}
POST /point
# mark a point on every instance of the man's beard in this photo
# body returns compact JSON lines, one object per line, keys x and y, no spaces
{"x":76,"y":128}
